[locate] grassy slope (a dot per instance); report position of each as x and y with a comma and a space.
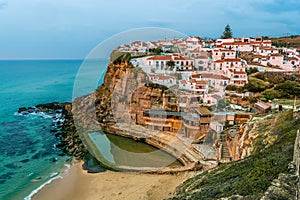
252, 176
292, 41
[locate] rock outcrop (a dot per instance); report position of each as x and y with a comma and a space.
63, 126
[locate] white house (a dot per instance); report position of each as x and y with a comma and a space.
198, 87
184, 63
202, 63
238, 78
192, 43
162, 79
218, 54
158, 62
276, 60
229, 63
238, 46
216, 81
218, 127
265, 50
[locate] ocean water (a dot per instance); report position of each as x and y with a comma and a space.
28, 157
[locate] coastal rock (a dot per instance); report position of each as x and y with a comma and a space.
64, 130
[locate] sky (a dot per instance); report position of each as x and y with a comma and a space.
70, 29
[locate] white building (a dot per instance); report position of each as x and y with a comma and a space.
162, 79
218, 54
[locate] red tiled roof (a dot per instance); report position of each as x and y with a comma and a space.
196, 76
240, 73
235, 43
160, 58
161, 77
254, 42
219, 46
277, 55
183, 82
202, 82
229, 60
224, 50
267, 48
214, 76
182, 58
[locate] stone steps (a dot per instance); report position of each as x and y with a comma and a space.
224, 151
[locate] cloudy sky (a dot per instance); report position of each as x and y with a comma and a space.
71, 28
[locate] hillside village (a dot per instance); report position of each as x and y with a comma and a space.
204, 68
207, 67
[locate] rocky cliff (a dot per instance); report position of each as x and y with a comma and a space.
122, 98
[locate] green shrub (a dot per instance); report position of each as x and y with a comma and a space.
271, 94
256, 85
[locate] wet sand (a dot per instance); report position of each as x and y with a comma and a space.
77, 184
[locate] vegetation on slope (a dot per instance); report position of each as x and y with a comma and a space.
252, 176
288, 41
271, 85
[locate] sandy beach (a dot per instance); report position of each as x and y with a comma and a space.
77, 184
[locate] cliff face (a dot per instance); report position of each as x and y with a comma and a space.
123, 97
252, 137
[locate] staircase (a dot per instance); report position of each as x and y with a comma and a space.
225, 155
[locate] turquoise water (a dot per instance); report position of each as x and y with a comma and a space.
26, 144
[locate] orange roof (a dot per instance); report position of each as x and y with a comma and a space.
254, 42
182, 58
161, 77
229, 60
201, 82
277, 55
214, 76
196, 76
267, 48
183, 82
235, 43
160, 58
240, 73
224, 50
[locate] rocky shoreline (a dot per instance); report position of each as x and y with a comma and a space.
64, 129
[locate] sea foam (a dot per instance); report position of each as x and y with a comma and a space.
53, 176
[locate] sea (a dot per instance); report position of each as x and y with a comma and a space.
29, 159
28, 156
